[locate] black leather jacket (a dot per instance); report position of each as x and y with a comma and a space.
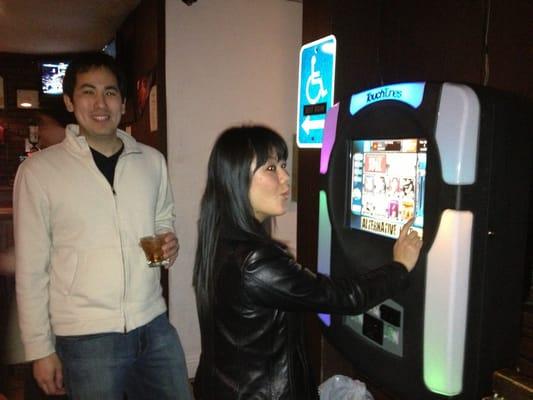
252, 345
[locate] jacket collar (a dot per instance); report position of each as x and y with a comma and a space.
78, 144
230, 232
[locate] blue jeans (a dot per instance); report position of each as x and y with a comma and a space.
146, 363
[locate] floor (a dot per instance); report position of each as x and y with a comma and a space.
15, 383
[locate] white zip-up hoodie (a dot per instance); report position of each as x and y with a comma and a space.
79, 267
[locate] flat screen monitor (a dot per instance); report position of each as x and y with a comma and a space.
387, 185
52, 74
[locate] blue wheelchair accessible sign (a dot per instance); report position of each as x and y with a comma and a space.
316, 82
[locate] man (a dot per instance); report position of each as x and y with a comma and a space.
80, 208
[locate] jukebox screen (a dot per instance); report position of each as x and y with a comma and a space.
387, 185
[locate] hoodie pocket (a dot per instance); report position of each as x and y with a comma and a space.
63, 265
91, 278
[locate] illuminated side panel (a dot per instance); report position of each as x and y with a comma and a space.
447, 278
457, 133
328, 140
409, 93
324, 244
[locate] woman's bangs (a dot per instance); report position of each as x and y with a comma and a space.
270, 145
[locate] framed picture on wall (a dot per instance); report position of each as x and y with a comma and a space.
153, 108
144, 85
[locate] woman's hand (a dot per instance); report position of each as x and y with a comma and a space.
407, 247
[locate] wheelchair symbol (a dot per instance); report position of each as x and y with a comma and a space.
314, 81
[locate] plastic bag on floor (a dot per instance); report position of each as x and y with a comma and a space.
340, 387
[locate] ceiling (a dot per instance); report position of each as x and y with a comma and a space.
60, 26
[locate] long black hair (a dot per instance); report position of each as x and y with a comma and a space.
226, 202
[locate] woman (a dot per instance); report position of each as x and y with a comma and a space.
250, 291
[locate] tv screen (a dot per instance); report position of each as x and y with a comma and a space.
387, 184
52, 74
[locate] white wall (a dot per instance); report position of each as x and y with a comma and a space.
227, 62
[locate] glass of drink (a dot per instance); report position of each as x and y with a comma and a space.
153, 251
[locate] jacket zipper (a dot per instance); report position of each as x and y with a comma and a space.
92, 166
124, 269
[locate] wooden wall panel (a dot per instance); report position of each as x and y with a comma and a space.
510, 47
140, 47
432, 43
355, 24
318, 15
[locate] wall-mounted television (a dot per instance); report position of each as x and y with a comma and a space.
52, 74
387, 185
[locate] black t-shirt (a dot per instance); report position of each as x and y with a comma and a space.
107, 165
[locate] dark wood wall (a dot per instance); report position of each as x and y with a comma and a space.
141, 48
485, 42
384, 41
